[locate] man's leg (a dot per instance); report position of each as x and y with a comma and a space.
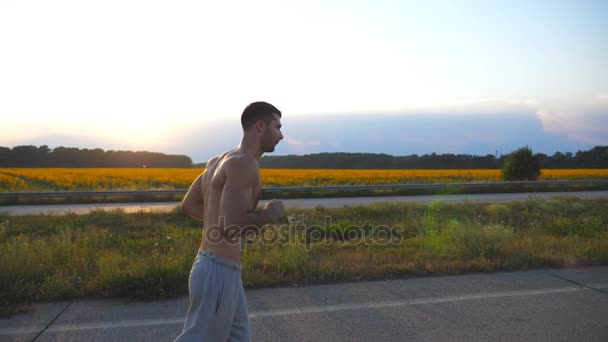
213, 295
241, 329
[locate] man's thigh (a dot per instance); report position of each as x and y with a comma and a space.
214, 294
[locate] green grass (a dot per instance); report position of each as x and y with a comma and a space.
149, 255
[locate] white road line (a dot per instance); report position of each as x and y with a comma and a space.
301, 310
421, 301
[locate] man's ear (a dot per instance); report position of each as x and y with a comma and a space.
259, 126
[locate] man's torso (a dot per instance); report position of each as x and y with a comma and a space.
213, 182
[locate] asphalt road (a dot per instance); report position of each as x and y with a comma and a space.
541, 305
302, 203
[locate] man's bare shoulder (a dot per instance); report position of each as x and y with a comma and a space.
211, 162
241, 165
219, 159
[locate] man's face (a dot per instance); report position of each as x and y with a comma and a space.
272, 134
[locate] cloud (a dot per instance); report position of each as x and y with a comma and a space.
587, 123
496, 104
295, 142
481, 105
488, 126
408, 133
587, 127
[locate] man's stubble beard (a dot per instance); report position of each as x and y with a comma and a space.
268, 145
269, 149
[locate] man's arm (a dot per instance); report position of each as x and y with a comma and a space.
193, 203
235, 202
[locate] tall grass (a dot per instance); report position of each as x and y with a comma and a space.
149, 255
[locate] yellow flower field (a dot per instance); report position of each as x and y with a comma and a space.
63, 179
10, 183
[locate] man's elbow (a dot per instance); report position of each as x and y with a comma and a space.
194, 211
185, 209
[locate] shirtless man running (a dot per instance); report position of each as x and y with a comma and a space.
225, 197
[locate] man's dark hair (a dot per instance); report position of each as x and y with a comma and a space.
258, 111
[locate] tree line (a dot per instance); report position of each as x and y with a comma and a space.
597, 157
43, 156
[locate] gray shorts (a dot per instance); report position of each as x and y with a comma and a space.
218, 307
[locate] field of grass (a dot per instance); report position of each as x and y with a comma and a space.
58, 179
149, 255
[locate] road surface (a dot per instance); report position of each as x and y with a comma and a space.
303, 203
541, 305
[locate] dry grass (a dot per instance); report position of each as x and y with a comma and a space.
149, 255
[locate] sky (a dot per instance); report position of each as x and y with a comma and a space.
396, 77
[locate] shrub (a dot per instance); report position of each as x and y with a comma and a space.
521, 165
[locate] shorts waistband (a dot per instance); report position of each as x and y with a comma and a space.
219, 260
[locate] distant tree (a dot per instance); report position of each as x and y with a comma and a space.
32, 156
521, 165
